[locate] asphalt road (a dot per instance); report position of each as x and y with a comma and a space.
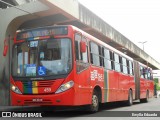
109, 111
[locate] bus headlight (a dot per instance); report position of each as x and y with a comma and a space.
65, 87
15, 89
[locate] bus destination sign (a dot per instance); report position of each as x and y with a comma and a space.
40, 32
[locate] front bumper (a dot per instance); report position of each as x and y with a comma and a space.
67, 98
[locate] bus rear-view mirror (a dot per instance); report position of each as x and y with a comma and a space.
5, 49
82, 47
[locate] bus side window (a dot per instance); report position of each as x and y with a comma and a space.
131, 68
142, 71
128, 68
146, 73
125, 68
100, 55
81, 58
107, 62
121, 64
117, 62
84, 56
77, 47
150, 75
112, 60
94, 51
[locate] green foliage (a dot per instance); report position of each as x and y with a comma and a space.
156, 83
157, 86
156, 80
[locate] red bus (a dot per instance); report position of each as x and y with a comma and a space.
65, 66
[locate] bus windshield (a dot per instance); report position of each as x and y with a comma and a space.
42, 58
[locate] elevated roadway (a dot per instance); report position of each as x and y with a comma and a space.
59, 12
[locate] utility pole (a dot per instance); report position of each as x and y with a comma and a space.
143, 44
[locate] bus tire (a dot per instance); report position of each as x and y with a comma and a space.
94, 106
145, 100
130, 98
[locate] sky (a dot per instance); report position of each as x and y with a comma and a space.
138, 20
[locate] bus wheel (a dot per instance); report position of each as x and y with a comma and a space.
130, 98
95, 102
145, 100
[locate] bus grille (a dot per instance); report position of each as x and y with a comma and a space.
40, 84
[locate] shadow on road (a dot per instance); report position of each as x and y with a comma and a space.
80, 111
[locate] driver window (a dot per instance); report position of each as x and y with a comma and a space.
81, 58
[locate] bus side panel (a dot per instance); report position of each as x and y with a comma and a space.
143, 88
97, 79
84, 90
88, 80
122, 85
132, 85
125, 83
147, 85
151, 88
110, 85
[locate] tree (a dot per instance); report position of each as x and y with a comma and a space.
156, 80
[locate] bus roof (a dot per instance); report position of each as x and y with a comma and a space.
92, 38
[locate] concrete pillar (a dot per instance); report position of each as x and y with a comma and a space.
10, 22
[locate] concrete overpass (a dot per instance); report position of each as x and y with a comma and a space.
50, 12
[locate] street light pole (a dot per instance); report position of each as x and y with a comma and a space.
143, 44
